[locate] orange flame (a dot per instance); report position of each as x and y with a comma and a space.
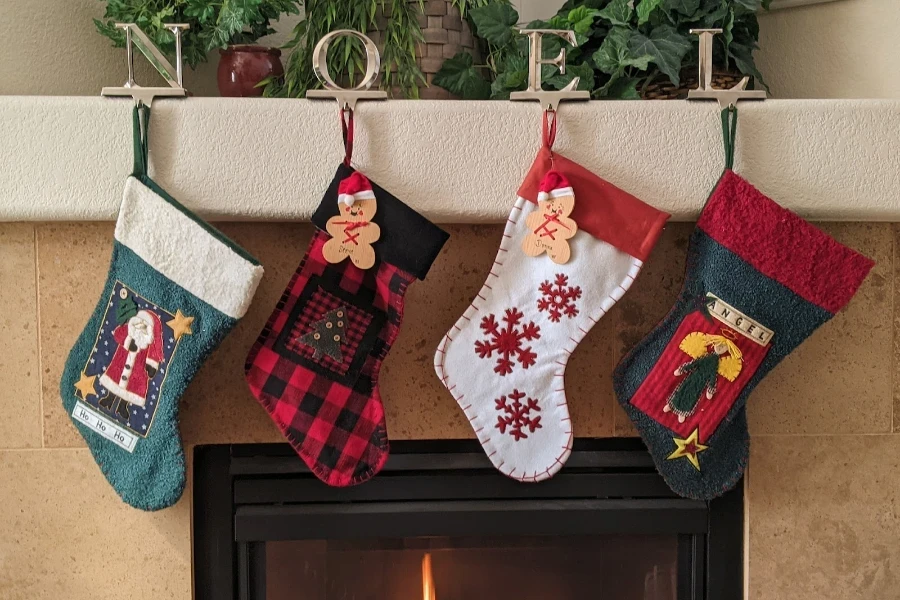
427, 579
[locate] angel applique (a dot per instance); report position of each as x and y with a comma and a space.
711, 356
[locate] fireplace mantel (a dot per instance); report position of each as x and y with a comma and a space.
65, 158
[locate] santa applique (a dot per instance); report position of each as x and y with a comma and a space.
134, 364
352, 230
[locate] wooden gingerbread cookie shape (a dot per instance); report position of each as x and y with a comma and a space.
352, 230
549, 226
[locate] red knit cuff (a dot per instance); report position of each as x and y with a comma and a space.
781, 245
601, 209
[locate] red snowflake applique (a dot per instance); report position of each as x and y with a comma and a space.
508, 341
558, 298
515, 417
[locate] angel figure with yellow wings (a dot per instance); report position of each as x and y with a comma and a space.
711, 355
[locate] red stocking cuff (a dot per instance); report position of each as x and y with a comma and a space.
601, 209
781, 245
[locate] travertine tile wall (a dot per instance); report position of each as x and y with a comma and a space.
824, 485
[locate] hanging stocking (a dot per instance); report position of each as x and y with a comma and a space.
175, 288
759, 281
315, 366
572, 246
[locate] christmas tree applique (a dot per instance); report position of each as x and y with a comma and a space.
126, 308
327, 335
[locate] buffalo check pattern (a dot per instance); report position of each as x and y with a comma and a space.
331, 412
309, 313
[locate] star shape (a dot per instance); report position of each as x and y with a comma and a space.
180, 324
85, 385
688, 448
701, 303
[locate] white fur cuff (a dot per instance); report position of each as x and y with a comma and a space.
185, 251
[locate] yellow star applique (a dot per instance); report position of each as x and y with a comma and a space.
688, 448
85, 385
180, 325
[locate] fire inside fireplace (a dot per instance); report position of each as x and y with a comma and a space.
440, 524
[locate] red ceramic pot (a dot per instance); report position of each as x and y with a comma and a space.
242, 66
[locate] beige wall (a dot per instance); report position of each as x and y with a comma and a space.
824, 478
844, 49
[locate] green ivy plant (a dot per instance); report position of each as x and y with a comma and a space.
213, 24
623, 45
346, 56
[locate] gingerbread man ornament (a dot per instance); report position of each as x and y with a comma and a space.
352, 230
549, 226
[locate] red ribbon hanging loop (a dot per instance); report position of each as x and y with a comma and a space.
549, 128
347, 132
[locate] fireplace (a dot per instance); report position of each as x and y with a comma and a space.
439, 523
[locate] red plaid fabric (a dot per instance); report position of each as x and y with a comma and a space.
330, 411
322, 303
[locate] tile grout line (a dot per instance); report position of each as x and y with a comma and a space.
823, 434
37, 320
617, 412
52, 449
747, 475
894, 340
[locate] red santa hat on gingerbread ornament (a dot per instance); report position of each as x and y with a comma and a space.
353, 188
554, 185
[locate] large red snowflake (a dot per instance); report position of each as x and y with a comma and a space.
515, 416
558, 298
508, 341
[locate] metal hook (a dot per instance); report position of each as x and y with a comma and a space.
726, 98
346, 98
174, 75
549, 99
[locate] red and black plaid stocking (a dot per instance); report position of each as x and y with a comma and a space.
315, 365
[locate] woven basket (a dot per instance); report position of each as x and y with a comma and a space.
666, 90
446, 34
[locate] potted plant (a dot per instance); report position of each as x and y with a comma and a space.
414, 37
230, 26
628, 49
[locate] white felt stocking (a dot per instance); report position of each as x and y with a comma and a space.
504, 360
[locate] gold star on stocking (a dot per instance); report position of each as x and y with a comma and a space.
180, 325
85, 385
688, 448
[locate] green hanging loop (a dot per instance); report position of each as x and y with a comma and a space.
729, 133
141, 125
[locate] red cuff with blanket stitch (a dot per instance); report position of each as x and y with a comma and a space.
781, 245
601, 209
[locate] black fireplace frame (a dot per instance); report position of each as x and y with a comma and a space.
247, 494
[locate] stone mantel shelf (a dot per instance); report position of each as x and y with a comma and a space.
65, 158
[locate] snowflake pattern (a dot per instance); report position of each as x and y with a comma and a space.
508, 341
558, 298
515, 417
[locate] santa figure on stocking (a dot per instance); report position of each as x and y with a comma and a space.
134, 363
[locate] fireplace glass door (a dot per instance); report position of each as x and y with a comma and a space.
620, 567
440, 523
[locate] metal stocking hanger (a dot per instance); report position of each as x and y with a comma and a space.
549, 99
726, 98
346, 98
174, 76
